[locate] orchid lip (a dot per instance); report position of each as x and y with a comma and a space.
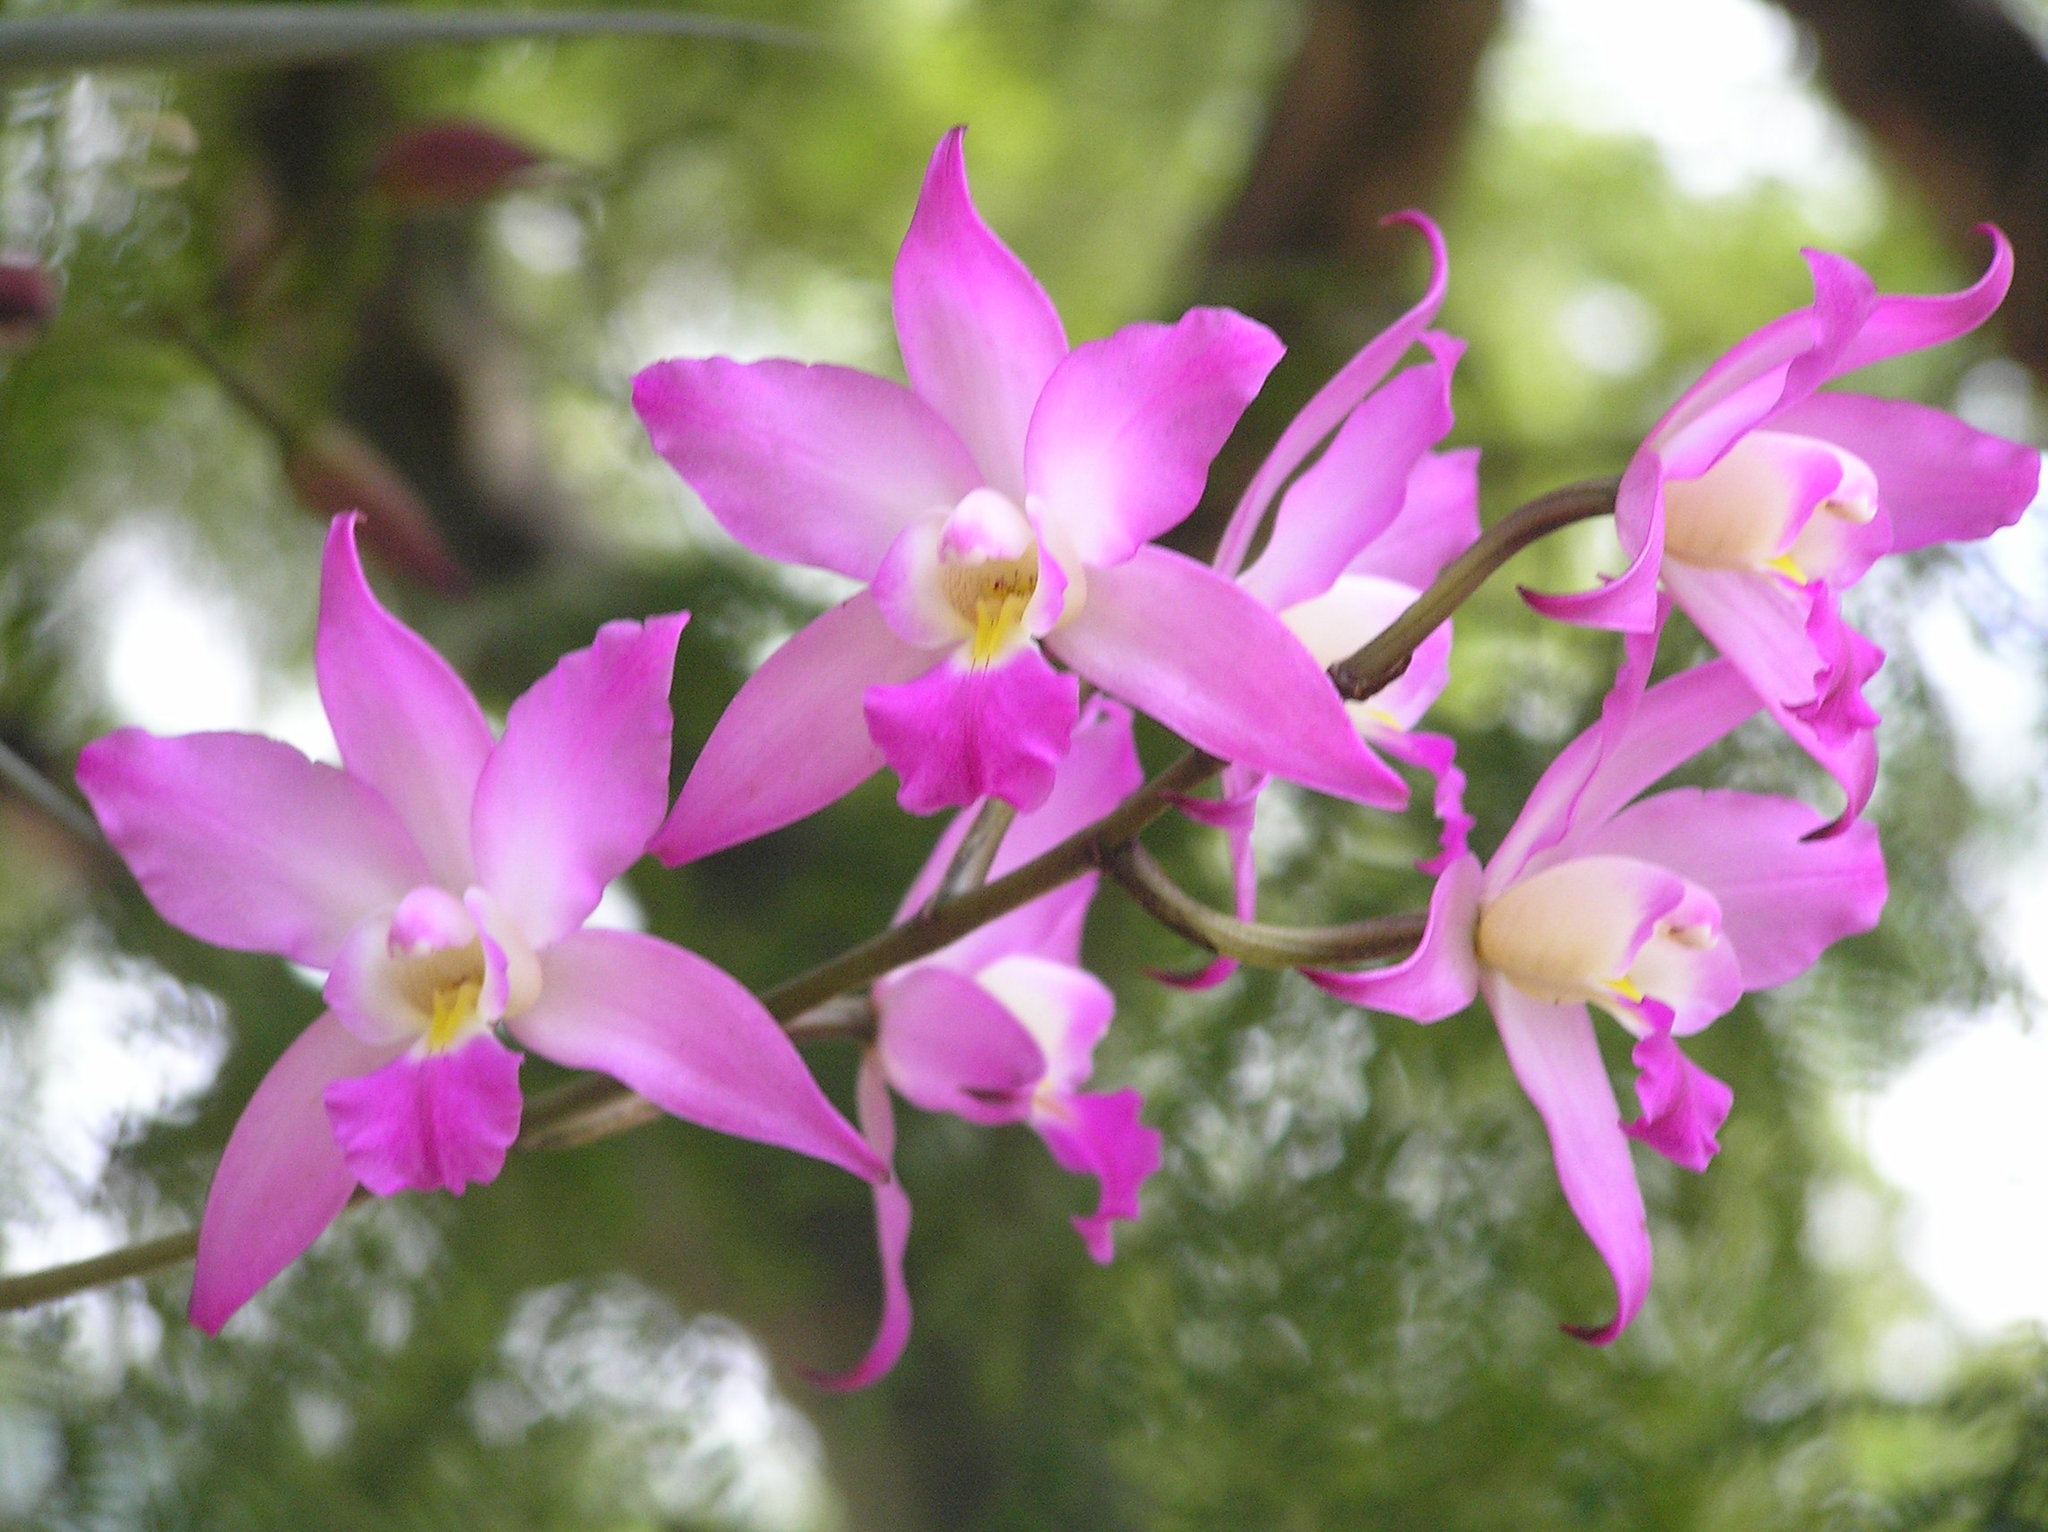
1774, 502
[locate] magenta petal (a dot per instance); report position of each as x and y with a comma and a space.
1683, 1105
1438, 520
442, 1119
1909, 322
1098, 1135
1557, 1058
689, 1038
1205, 658
281, 1179
1759, 621
979, 335
964, 731
808, 465
1440, 977
245, 843
1437, 755
950, 1046
1627, 603
794, 738
1939, 480
1120, 444
406, 724
892, 1236
580, 780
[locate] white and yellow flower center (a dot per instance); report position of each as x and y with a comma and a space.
1740, 513
976, 577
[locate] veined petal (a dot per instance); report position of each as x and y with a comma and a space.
579, 782
1202, 656
243, 842
810, 465
1354, 491
978, 333
1939, 480
793, 739
1441, 976
1785, 897
892, 1235
964, 731
1683, 1105
1121, 441
406, 724
427, 1120
1091, 1134
689, 1038
1557, 1058
948, 1045
281, 1179
1438, 520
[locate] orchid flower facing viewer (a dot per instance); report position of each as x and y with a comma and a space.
1001, 1027
1661, 913
443, 879
1000, 512
1757, 500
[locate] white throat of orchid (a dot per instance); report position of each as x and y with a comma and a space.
439, 973
1776, 501
1608, 930
978, 577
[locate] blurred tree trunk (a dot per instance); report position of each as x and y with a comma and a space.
1369, 119
1956, 92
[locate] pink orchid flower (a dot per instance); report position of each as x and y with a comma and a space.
1357, 537
443, 879
1661, 913
1757, 500
1000, 511
1002, 1025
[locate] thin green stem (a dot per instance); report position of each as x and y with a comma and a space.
977, 854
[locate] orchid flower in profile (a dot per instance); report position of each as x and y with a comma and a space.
1000, 512
443, 879
1357, 537
1757, 500
1661, 913
1001, 1027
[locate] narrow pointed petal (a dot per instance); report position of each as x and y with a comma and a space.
1120, 444
1441, 976
1354, 491
406, 724
1627, 602
806, 465
1206, 659
443, 1120
245, 843
978, 333
1940, 480
1785, 898
1557, 1059
281, 1179
1100, 1135
580, 780
1909, 322
949, 1045
1683, 1105
1438, 520
689, 1038
794, 738
962, 731
892, 1236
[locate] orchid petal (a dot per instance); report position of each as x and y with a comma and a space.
1557, 1058
1438, 520
1441, 976
963, 730
1202, 656
979, 335
245, 843
580, 780
689, 1038
1912, 321
793, 739
442, 1119
1356, 609
1939, 479
1627, 602
1758, 620
949, 1045
1437, 755
1091, 1134
1683, 1105
406, 724
805, 465
892, 1236
1064, 1007
1122, 438
281, 1178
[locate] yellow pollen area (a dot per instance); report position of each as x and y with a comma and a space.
1787, 566
454, 1006
998, 612
1382, 716
1626, 988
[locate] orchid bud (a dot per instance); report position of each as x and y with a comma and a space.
28, 297
332, 470
449, 165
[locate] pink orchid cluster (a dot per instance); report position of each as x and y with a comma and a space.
1001, 513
